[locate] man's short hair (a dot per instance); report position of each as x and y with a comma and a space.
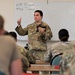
1, 22
5, 32
41, 13
63, 34
13, 34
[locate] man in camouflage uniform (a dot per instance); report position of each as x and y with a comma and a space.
38, 33
27, 57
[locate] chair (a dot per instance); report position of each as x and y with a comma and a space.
56, 62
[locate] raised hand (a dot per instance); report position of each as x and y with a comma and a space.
19, 22
42, 30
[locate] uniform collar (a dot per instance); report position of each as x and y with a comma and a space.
38, 24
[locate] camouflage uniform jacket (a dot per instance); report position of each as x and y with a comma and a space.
72, 69
37, 41
58, 48
68, 61
27, 58
27, 54
72, 66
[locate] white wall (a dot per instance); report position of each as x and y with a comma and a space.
7, 11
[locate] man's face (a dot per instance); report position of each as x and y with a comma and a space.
37, 17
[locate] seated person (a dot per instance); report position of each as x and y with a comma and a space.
27, 57
65, 47
59, 47
10, 60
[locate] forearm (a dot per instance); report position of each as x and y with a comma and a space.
21, 31
48, 34
31, 58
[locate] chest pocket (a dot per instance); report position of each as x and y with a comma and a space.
31, 30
